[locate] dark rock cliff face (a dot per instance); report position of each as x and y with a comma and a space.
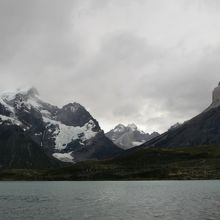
4, 110
203, 129
74, 114
19, 151
69, 133
98, 148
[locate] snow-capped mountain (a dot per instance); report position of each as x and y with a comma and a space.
129, 136
69, 134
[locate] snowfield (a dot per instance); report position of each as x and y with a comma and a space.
137, 143
66, 134
65, 157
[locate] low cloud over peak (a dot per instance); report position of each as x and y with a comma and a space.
150, 62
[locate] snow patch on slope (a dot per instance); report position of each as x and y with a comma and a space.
65, 157
10, 94
30, 101
137, 143
33, 103
10, 119
8, 107
45, 113
66, 134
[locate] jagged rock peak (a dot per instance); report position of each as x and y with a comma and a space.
11, 94
32, 92
215, 98
216, 94
73, 107
119, 127
132, 126
122, 128
176, 125
129, 136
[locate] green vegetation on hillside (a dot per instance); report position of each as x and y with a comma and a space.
202, 162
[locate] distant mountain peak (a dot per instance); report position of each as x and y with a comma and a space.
73, 107
13, 93
176, 125
215, 98
129, 136
119, 125
216, 94
119, 128
32, 91
132, 126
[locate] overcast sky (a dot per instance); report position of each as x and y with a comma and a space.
151, 62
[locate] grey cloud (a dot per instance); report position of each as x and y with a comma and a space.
188, 86
119, 54
36, 33
127, 110
126, 61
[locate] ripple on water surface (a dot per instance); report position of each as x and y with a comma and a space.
170, 200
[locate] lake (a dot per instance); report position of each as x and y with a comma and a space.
130, 200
